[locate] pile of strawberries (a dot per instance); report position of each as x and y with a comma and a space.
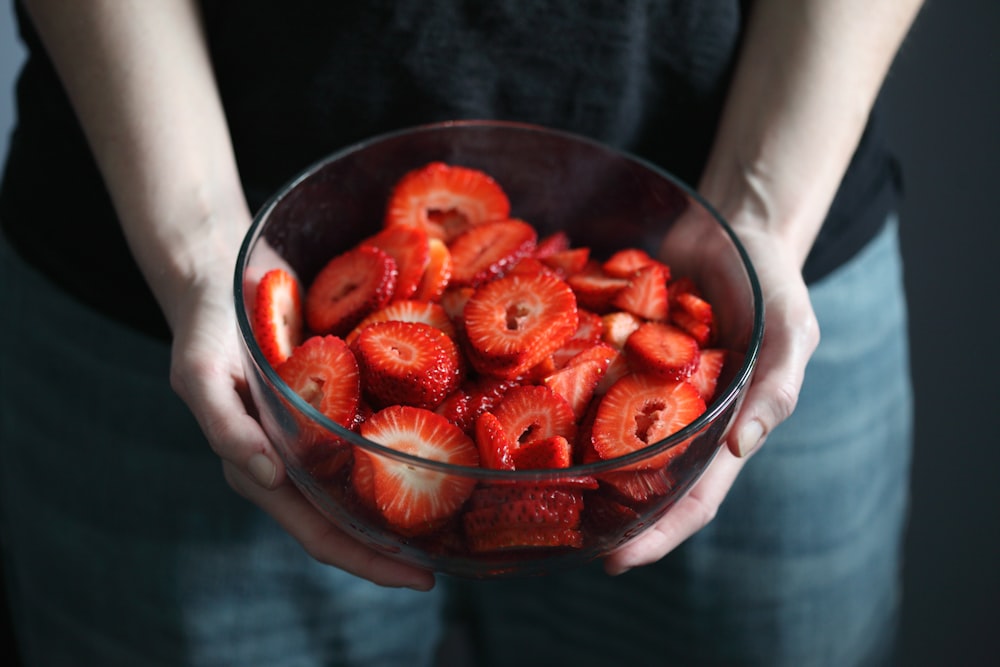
458, 335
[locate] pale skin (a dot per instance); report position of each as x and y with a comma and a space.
139, 77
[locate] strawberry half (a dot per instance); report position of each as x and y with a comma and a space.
323, 371
515, 322
489, 250
446, 199
278, 318
349, 287
407, 363
640, 410
414, 500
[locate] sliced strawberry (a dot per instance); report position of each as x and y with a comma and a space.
618, 326
408, 310
453, 301
324, 373
495, 446
618, 367
407, 363
602, 353
525, 503
529, 266
625, 263
557, 241
409, 246
437, 275
278, 318
535, 412
567, 262
576, 383
642, 409
594, 288
348, 288
415, 500
638, 486
706, 376
682, 285
569, 350
545, 454
489, 250
590, 326
606, 516
662, 349
464, 405
511, 538
646, 294
514, 323
694, 315
446, 199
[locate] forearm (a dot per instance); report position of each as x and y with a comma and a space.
140, 80
802, 92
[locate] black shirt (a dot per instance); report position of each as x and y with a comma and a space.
646, 76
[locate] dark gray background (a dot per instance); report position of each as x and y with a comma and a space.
945, 95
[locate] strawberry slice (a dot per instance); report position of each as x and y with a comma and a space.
512, 538
415, 501
642, 409
694, 315
638, 486
495, 447
557, 241
464, 405
590, 326
407, 363
348, 288
409, 246
446, 199
535, 412
278, 318
408, 310
625, 263
514, 323
489, 250
664, 350
646, 294
567, 262
323, 371
545, 454
594, 288
706, 377
523, 516
577, 382
618, 326
438, 272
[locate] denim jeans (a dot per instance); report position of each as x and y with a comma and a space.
122, 543
801, 565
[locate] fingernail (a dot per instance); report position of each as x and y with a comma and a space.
749, 437
262, 470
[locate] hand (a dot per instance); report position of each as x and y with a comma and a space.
207, 373
790, 337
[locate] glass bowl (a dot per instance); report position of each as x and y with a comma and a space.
602, 198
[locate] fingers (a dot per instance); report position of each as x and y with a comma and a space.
321, 539
687, 517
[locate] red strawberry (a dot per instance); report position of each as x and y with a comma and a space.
694, 315
278, 315
642, 409
594, 288
545, 454
446, 199
415, 500
551, 244
524, 504
646, 294
590, 326
409, 246
489, 250
576, 383
511, 538
324, 373
534, 412
638, 486
567, 262
706, 376
351, 286
407, 363
453, 301
437, 275
408, 310
618, 326
625, 263
514, 323
662, 349
464, 405
602, 353
618, 367
495, 446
